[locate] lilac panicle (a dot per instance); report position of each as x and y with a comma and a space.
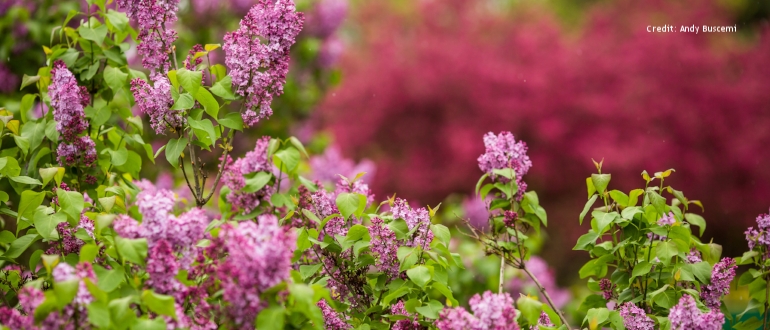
156, 37
456, 319
686, 316
68, 100
694, 256
608, 289
385, 246
156, 102
721, 276
419, 218
490, 311
544, 321
408, 324
667, 219
634, 318
328, 166
503, 151
81, 151
162, 268
327, 17
332, 320
234, 177
258, 70
761, 235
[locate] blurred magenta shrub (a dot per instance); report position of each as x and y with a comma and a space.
421, 88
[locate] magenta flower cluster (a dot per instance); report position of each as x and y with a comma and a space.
259, 257
155, 37
68, 100
503, 151
235, 172
544, 320
155, 101
415, 218
490, 311
410, 323
721, 276
686, 316
761, 235
385, 247
258, 70
332, 320
634, 318
328, 166
667, 219
694, 256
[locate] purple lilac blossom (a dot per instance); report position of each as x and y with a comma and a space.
693, 257
234, 177
686, 316
258, 70
509, 218
456, 319
544, 321
328, 166
494, 311
69, 242
410, 323
634, 318
419, 218
259, 257
155, 35
384, 246
330, 52
162, 268
760, 235
326, 17
13, 319
68, 100
503, 151
608, 289
721, 276
156, 102
9, 82
667, 219
477, 212
332, 320
82, 151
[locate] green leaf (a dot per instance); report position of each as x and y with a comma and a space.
420, 275
256, 181
600, 182
658, 201
71, 203
288, 159
619, 197
507, 173
184, 102
48, 173
407, 257
174, 149
34, 132
584, 241
665, 251
22, 143
641, 268
118, 157
107, 202
133, 250
6, 237
223, 89
309, 270
46, 223
98, 314
441, 232
26, 180
480, 182
66, 291
109, 280
28, 80
702, 271
351, 203
96, 35
204, 130
190, 80
30, 200
530, 308
431, 310
271, 318
159, 303
587, 207
633, 196
118, 19
209, 103
298, 144
20, 245
232, 120
149, 324
696, 220
596, 316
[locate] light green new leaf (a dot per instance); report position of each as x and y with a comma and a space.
71, 203
256, 181
174, 149
420, 275
30, 200
190, 80
232, 120
20, 245
115, 78
159, 303
133, 250
46, 223
530, 308
351, 203
209, 103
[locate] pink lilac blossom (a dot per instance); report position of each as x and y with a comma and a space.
162, 267
540, 269
721, 276
258, 70
761, 235
69, 242
509, 218
155, 35
693, 257
494, 311
634, 318
332, 320
81, 151
686, 316
385, 247
68, 100
667, 219
477, 212
328, 166
235, 172
544, 321
156, 102
83, 270
326, 17
330, 52
190, 63
503, 151
608, 289
410, 323
456, 319
419, 218
259, 257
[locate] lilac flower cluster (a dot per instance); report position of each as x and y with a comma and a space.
69, 242
259, 257
667, 219
234, 177
23, 318
323, 22
155, 36
68, 100
509, 218
328, 166
477, 212
686, 316
693, 257
410, 323
190, 63
332, 320
543, 321
608, 289
258, 70
721, 276
385, 247
634, 318
503, 151
419, 218
490, 311
761, 235
156, 102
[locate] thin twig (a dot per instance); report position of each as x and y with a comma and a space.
545, 294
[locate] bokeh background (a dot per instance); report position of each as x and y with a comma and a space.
405, 89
